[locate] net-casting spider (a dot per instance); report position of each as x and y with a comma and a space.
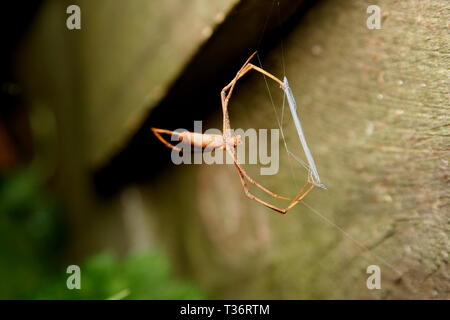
229, 142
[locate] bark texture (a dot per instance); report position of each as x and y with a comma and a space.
374, 104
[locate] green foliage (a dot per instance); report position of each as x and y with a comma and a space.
32, 244
31, 233
103, 276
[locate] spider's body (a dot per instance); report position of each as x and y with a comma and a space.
229, 142
209, 141
204, 141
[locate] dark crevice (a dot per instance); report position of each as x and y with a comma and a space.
16, 18
196, 93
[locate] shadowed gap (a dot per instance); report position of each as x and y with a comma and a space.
196, 93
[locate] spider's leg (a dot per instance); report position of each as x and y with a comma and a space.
225, 96
253, 197
264, 72
246, 176
157, 132
299, 197
245, 68
226, 92
247, 62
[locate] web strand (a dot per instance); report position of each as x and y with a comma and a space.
292, 156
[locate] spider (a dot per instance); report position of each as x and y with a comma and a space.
229, 142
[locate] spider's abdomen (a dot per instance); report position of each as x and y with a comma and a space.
204, 141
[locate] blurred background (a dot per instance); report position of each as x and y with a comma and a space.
83, 181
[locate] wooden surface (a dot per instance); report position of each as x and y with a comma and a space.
374, 104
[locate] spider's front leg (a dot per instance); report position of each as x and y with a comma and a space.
225, 97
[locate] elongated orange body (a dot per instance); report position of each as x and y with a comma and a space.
200, 140
195, 139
